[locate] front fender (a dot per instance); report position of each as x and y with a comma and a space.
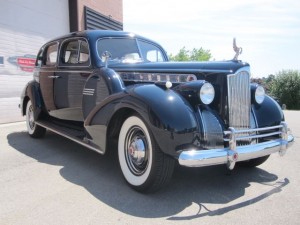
268, 113
168, 115
164, 109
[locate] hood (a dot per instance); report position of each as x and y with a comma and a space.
227, 67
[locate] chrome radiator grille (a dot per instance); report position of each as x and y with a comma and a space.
239, 100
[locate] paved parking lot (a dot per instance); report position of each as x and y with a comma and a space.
56, 181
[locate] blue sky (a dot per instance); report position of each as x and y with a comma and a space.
268, 31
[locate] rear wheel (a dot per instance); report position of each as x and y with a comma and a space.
144, 166
33, 129
254, 162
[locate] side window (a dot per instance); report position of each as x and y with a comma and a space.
75, 52
39, 58
70, 53
83, 52
51, 54
150, 52
154, 56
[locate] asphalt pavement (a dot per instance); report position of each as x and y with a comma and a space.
56, 181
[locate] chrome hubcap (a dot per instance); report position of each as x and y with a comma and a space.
136, 150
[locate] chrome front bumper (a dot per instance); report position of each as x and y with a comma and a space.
234, 153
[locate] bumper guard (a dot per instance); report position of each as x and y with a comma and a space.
234, 153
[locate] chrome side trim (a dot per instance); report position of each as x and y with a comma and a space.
88, 91
163, 70
43, 69
156, 77
54, 77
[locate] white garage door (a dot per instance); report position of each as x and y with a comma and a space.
25, 25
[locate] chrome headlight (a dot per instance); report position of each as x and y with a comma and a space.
207, 93
259, 94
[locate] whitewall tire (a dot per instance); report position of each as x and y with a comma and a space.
33, 129
143, 165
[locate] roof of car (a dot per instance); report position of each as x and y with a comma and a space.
96, 34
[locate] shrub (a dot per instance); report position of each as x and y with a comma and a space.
286, 88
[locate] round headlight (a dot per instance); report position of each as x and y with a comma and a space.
207, 93
259, 94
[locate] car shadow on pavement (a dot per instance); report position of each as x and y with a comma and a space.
102, 177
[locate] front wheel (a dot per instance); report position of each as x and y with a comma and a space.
33, 129
144, 166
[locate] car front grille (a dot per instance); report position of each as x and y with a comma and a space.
239, 100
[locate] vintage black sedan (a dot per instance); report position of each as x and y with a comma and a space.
117, 91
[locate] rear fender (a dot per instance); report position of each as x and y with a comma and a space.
32, 92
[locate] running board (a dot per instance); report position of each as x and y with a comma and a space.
73, 135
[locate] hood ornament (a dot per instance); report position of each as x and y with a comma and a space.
237, 50
106, 55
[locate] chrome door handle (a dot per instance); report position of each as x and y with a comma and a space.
55, 77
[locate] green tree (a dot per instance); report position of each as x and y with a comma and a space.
270, 78
193, 55
286, 87
182, 55
266, 82
200, 54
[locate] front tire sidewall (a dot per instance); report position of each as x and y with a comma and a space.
134, 180
34, 130
31, 125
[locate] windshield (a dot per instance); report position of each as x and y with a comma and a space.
128, 50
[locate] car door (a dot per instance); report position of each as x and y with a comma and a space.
69, 79
46, 69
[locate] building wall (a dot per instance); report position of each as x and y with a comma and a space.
25, 25
112, 9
